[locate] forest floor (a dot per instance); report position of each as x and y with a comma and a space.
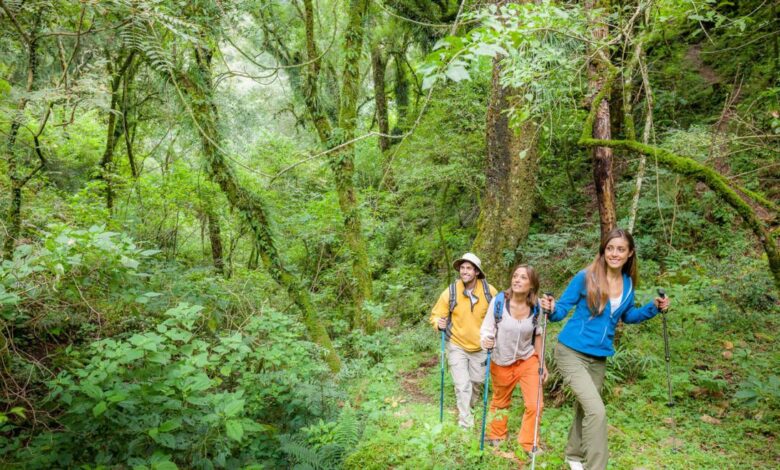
706, 429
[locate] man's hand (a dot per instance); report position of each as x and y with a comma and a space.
442, 323
488, 343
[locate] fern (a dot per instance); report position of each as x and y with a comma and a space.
347, 429
345, 435
303, 455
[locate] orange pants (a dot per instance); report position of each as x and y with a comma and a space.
505, 379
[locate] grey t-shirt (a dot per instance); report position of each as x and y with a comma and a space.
514, 340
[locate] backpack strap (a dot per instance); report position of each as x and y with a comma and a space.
486, 289
535, 310
498, 311
453, 303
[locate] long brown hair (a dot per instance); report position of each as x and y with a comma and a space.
596, 272
532, 277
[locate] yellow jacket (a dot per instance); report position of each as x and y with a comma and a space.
466, 320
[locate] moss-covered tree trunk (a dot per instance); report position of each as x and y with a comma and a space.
248, 204
601, 156
17, 179
509, 199
378, 65
401, 91
215, 240
116, 124
343, 163
342, 160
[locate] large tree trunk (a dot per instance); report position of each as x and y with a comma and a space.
343, 164
115, 128
14, 216
342, 161
378, 64
602, 156
215, 240
248, 204
509, 199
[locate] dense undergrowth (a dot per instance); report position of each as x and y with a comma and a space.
124, 347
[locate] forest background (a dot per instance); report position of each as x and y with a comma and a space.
224, 223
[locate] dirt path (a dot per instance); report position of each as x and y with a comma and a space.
410, 381
411, 385
693, 57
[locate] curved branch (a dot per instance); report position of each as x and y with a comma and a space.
690, 168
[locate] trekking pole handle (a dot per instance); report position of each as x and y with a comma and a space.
662, 294
546, 311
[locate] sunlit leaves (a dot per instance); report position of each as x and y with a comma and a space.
541, 47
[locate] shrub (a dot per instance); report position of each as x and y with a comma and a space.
181, 394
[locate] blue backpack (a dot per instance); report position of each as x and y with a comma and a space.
498, 313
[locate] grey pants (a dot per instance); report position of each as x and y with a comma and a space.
468, 375
588, 433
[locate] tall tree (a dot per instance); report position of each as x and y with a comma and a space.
602, 158
120, 70
199, 88
339, 137
510, 179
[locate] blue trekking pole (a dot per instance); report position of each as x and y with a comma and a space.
441, 396
484, 406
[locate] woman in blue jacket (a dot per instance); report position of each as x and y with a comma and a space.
601, 295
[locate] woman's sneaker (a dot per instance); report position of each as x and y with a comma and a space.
575, 465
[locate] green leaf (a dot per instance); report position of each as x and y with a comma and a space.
489, 50
92, 390
745, 394
99, 409
429, 81
457, 73
199, 382
234, 429
170, 425
129, 263
167, 465
234, 407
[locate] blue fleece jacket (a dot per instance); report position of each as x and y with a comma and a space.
591, 334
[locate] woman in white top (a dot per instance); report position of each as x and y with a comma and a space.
509, 328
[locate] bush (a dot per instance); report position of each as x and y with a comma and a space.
181, 394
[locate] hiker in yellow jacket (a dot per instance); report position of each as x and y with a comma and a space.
459, 312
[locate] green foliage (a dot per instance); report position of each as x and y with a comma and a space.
758, 393
541, 45
96, 375
323, 445
92, 270
180, 392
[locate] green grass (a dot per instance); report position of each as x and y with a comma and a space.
404, 432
